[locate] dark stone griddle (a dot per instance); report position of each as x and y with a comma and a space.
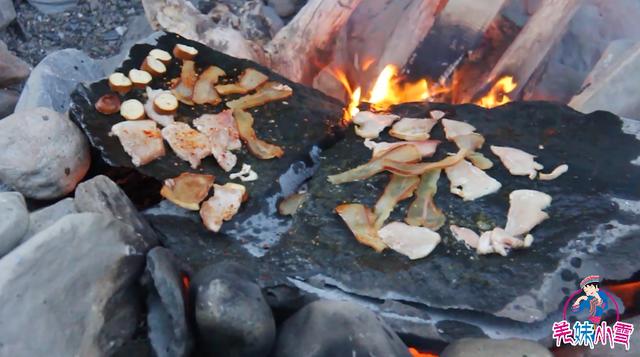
599, 156
297, 123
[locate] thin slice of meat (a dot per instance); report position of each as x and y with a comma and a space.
398, 189
480, 161
183, 89
141, 139
249, 80
203, 90
413, 242
150, 110
259, 148
290, 204
470, 142
360, 220
554, 174
369, 125
423, 211
465, 235
502, 242
453, 128
526, 211
416, 169
426, 148
412, 128
188, 144
222, 132
223, 205
484, 244
406, 153
268, 92
187, 190
469, 182
518, 162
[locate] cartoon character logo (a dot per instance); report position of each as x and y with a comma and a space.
595, 301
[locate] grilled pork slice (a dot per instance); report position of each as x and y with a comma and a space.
414, 242
518, 162
189, 144
398, 189
149, 107
203, 90
249, 80
268, 92
360, 221
501, 241
554, 174
423, 210
187, 190
223, 205
153, 66
223, 136
161, 55
108, 104
526, 211
369, 125
259, 148
412, 128
466, 235
184, 52
426, 148
484, 244
132, 109
183, 89
139, 78
118, 82
469, 182
140, 139
453, 128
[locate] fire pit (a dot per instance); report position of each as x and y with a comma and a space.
453, 292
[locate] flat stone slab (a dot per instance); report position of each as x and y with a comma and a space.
592, 230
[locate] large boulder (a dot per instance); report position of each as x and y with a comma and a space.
7, 13
169, 331
328, 328
53, 6
101, 195
12, 69
70, 290
14, 220
485, 347
55, 77
8, 100
47, 216
44, 155
232, 316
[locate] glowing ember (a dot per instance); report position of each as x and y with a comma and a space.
498, 95
415, 353
629, 293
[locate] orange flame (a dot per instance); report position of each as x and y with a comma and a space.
389, 89
415, 353
498, 95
